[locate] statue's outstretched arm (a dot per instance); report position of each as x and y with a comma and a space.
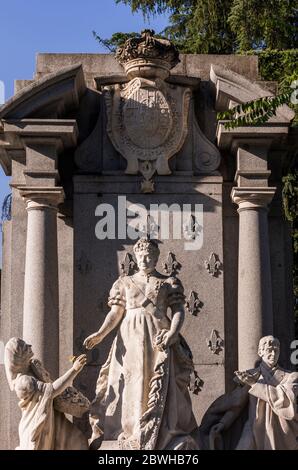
66, 380
112, 319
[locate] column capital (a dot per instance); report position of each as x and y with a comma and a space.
252, 197
41, 197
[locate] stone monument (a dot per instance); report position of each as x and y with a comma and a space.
105, 149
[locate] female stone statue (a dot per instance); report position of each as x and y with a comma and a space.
142, 390
41, 426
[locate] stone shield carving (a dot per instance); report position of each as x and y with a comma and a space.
147, 123
147, 116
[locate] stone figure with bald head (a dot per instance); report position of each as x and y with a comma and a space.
261, 413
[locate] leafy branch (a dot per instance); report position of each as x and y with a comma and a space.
115, 41
254, 112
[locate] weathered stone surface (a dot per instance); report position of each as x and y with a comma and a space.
106, 64
20, 84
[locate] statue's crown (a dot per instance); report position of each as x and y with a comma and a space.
148, 56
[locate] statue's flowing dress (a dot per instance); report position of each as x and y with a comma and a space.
142, 392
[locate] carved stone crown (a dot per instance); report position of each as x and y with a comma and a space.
148, 56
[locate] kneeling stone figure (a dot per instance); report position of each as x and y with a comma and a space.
42, 426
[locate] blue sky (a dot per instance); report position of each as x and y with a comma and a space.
31, 26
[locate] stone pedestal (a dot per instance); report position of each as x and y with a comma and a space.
41, 299
255, 316
110, 445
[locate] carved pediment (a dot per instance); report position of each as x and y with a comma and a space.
233, 88
49, 97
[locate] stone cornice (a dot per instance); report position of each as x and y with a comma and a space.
20, 133
266, 135
41, 131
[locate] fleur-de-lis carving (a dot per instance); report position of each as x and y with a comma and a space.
196, 383
213, 265
215, 342
150, 230
83, 264
128, 265
194, 304
192, 228
172, 266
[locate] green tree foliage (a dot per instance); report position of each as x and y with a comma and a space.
274, 65
264, 24
226, 26
290, 203
196, 26
117, 40
254, 112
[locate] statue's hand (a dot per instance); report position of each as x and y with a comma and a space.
92, 341
165, 339
80, 362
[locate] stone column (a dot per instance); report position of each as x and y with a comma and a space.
255, 314
252, 148
41, 293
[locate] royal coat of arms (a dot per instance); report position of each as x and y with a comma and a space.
147, 117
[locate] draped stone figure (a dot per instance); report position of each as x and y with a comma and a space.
142, 398
42, 426
260, 414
